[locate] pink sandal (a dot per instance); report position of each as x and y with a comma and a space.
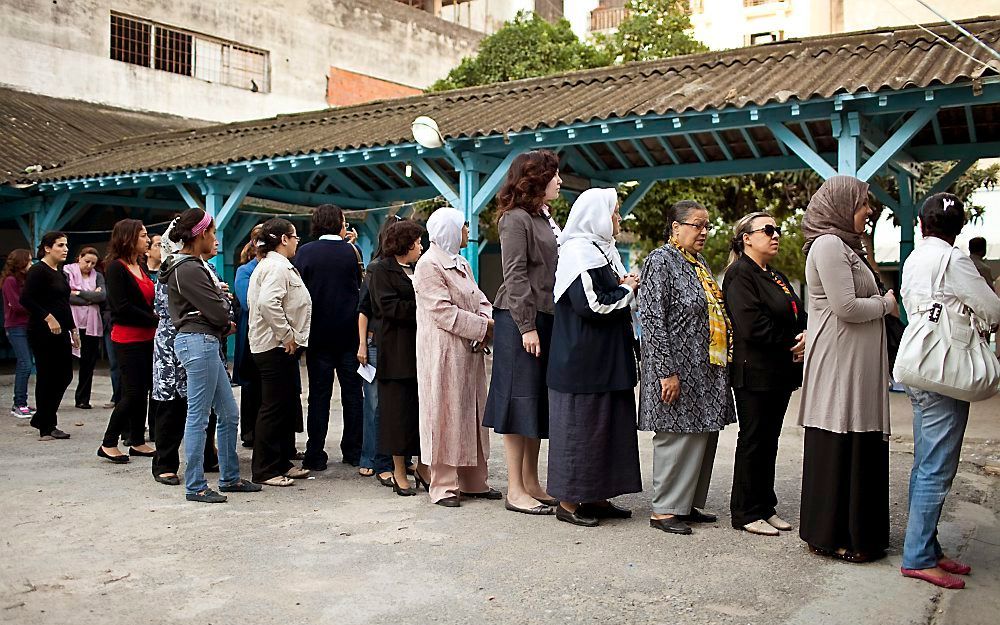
954, 567
949, 582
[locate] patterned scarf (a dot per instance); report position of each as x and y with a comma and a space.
720, 344
788, 292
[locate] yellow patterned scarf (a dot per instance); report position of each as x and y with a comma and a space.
720, 344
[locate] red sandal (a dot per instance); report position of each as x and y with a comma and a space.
948, 581
954, 567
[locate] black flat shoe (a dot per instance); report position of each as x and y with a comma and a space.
548, 502
610, 511
122, 459
173, 480
492, 493
576, 518
141, 454
385, 481
314, 466
402, 492
84, 406
697, 516
540, 510
448, 502
672, 525
58, 434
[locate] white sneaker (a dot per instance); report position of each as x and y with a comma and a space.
21, 412
779, 523
760, 527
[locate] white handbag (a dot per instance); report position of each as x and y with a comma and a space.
944, 352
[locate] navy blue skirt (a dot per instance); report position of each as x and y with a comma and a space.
518, 401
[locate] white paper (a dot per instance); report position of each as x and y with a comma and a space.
367, 372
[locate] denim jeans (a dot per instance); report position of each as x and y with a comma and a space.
208, 388
938, 428
370, 458
18, 338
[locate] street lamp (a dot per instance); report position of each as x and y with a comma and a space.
426, 132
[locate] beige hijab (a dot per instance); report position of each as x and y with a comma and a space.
831, 211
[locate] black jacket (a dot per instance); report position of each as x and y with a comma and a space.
764, 328
394, 304
125, 300
592, 345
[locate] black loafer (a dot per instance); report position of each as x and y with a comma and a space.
122, 459
697, 516
173, 480
241, 486
58, 434
449, 502
206, 496
314, 466
672, 525
492, 493
539, 510
141, 454
576, 518
84, 406
610, 511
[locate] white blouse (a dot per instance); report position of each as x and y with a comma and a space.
962, 285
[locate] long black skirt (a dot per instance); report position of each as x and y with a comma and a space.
593, 446
845, 491
518, 401
399, 417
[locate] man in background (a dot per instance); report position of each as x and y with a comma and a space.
977, 251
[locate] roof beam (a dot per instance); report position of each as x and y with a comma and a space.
725, 148
750, 143
188, 197
618, 154
644, 154
671, 154
717, 168
72, 213
302, 198
635, 196
813, 160
489, 187
696, 147
438, 182
896, 142
126, 200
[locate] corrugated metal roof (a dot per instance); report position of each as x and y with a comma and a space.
45, 131
896, 58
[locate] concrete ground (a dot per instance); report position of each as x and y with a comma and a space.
85, 541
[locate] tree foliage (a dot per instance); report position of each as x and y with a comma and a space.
526, 47
654, 29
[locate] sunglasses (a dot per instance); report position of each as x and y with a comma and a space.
768, 230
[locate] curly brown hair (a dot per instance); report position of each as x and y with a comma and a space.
18, 262
400, 237
527, 178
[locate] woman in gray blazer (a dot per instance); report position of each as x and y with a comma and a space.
686, 348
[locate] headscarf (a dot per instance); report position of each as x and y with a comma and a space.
587, 241
168, 246
445, 230
831, 211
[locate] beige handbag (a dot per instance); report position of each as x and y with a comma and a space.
944, 352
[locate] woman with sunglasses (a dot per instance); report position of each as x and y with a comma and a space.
769, 323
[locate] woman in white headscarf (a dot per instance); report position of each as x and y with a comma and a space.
593, 445
454, 324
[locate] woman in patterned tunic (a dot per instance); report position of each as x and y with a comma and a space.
684, 396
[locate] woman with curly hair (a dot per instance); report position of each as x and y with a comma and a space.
518, 403
15, 323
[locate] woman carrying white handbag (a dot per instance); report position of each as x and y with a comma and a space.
944, 364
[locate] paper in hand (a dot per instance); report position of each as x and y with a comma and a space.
367, 372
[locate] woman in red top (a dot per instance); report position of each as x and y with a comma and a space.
130, 298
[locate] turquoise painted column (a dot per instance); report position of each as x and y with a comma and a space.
907, 217
468, 187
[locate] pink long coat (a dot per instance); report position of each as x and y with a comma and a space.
451, 312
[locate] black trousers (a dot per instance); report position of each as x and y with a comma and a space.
249, 397
170, 419
761, 414
90, 351
321, 364
53, 374
280, 405
129, 415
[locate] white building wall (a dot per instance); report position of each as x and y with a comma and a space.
865, 14
486, 16
63, 49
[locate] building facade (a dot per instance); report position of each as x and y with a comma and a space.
226, 60
488, 16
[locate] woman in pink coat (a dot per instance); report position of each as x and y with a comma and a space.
454, 322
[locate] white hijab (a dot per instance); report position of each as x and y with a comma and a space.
587, 241
445, 230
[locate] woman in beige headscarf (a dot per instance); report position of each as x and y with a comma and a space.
845, 399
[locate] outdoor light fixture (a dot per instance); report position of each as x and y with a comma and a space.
426, 133
409, 170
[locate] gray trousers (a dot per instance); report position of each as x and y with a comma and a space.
682, 470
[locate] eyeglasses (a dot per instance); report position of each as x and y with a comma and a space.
293, 236
700, 226
768, 230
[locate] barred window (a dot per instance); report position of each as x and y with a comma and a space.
757, 3
142, 42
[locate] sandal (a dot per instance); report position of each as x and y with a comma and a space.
421, 481
366, 472
385, 481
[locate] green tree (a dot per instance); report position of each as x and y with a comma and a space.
526, 47
654, 29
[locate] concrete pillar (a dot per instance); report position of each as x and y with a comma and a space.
433, 7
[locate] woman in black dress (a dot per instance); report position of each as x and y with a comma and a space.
51, 332
769, 324
394, 306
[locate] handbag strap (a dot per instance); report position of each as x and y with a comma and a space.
938, 285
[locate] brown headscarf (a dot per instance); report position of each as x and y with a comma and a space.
831, 211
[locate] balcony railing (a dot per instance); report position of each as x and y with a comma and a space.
607, 18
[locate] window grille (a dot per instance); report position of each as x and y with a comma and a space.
757, 3
146, 43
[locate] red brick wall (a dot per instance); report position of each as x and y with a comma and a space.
344, 88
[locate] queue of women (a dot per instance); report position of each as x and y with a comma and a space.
572, 334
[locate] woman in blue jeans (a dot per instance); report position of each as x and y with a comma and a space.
938, 420
15, 322
199, 309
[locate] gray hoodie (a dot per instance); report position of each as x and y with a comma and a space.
197, 305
